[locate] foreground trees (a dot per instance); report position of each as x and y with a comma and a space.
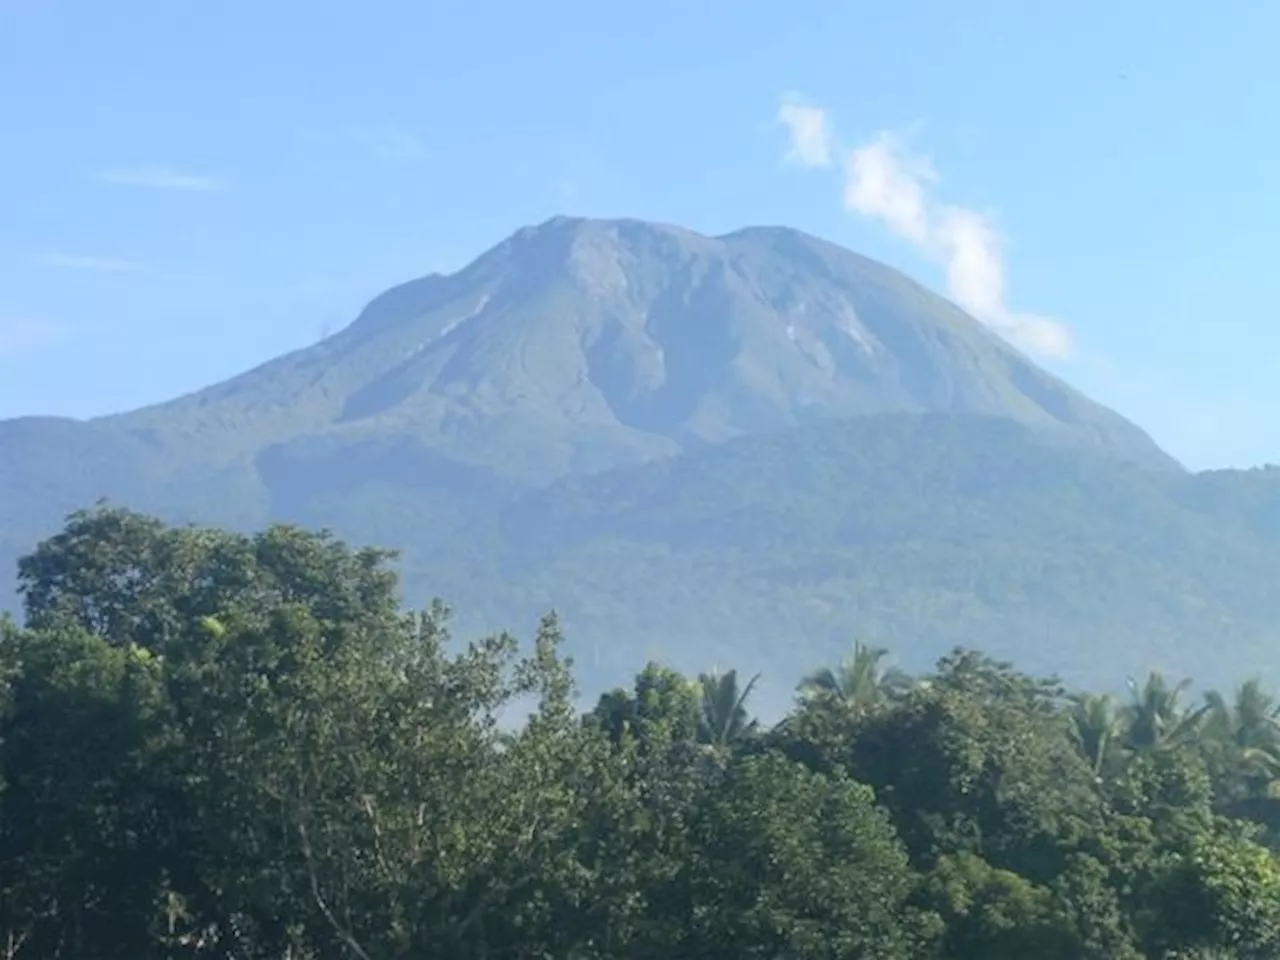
214, 745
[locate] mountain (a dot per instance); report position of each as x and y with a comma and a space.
582, 345
731, 449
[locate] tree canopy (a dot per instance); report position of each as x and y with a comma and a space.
239, 746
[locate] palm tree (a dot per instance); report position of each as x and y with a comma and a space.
1252, 721
1155, 719
1098, 729
724, 718
1248, 730
860, 682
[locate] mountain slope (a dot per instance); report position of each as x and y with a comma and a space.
581, 345
914, 531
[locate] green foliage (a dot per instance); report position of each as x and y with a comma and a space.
217, 745
84, 838
996, 914
1225, 894
978, 760
787, 862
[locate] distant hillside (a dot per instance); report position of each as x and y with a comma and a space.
745, 449
913, 531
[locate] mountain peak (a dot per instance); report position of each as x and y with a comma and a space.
580, 344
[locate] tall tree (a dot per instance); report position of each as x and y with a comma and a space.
724, 718
1155, 716
129, 578
87, 833
1242, 739
860, 682
980, 761
787, 862
1098, 728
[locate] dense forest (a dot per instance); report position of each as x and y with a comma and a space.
220, 745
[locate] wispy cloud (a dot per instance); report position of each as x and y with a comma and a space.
100, 264
19, 333
390, 145
886, 182
810, 133
156, 177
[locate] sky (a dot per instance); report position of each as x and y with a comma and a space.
190, 188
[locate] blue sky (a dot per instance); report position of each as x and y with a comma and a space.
189, 188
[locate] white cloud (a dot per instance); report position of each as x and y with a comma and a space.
390, 145
102, 264
810, 133
20, 333
886, 182
157, 177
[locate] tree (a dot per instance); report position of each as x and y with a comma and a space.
1223, 894
660, 698
129, 578
1241, 739
996, 914
330, 775
787, 862
980, 761
1089, 895
387, 809
723, 719
860, 682
1155, 717
1098, 729
86, 837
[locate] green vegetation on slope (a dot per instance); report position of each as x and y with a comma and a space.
918, 531
217, 745
922, 532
